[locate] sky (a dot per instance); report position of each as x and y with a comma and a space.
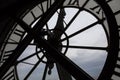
91, 61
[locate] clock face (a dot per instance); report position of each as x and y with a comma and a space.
81, 30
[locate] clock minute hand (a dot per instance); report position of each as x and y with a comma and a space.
58, 30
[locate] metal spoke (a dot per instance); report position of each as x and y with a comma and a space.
28, 57
82, 30
71, 21
45, 72
28, 63
86, 47
31, 71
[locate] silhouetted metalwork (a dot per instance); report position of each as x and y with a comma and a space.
49, 41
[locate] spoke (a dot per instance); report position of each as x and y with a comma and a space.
31, 71
82, 30
28, 57
86, 47
45, 72
28, 63
71, 21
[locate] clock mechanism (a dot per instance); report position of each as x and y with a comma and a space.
61, 39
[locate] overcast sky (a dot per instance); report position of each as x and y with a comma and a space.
91, 61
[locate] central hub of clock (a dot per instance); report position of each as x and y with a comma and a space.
54, 40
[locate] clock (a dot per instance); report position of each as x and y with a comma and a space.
61, 39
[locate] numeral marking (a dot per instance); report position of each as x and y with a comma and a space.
18, 32
9, 76
11, 40
41, 5
98, 8
117, 12
7, 54
33, 15
108, 1
46, 5
49, 2
85, 3
74, 2
78, 3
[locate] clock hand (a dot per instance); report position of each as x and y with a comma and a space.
58, 30
57, 33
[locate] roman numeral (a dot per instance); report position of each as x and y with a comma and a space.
7, 54
49, 2
117, 12
78, 3
46, 5
85, 3
73, 2
36, 12
33, 15
98, 8
18, 32
117, 69
9, 76
108, 1
42, 8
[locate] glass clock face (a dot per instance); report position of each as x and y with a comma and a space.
80, 30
